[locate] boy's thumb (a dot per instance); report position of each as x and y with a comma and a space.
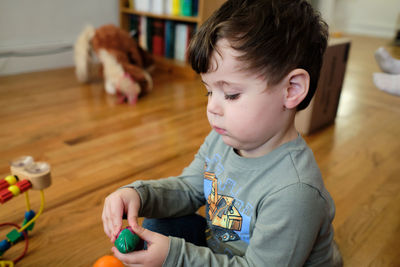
142, 232
132, 221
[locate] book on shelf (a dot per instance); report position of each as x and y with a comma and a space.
142, 5
158, 6
168, 7
169, 38
149, 34
185, 8
134, 22
183, 34
176, 6
158, 37
162, 37
180, 41
143, 32
195, 8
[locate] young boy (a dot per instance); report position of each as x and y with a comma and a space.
266, 204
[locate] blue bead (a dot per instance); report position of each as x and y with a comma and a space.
4, 245
29, 215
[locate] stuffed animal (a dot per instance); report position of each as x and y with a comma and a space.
124, 63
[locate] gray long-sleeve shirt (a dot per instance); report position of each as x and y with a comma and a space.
268, 211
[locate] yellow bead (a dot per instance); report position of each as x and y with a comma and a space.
14, 190
11, 179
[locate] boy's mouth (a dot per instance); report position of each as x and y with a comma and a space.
219, 130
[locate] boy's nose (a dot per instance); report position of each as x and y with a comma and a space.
214, 106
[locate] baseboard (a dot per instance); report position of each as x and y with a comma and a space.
366, 28
30, 58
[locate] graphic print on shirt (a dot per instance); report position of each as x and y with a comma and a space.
221, 212
228, 217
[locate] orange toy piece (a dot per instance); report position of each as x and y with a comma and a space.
108, 261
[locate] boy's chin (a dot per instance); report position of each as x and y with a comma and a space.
229, 141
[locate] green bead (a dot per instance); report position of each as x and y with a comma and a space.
127, 241
14, 236
30, 227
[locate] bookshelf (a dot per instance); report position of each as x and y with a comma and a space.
204, 9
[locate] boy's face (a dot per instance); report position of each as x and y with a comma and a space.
249, 115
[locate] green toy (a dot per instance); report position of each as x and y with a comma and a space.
127, 240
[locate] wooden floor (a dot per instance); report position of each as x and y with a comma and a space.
95, 146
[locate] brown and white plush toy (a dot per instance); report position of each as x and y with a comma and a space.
124, 63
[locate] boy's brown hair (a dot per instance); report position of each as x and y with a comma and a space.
275, 37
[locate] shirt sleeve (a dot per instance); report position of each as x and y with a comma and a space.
285, 231
174, 196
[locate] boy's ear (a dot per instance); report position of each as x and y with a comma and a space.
297, 89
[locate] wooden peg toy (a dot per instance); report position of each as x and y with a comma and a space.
38, 173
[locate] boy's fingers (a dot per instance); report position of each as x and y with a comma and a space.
132, 221
132, 215
135, 257
107, 223
107, 228
116, 217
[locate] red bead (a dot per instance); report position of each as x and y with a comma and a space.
3, 184
5, 195
24, 185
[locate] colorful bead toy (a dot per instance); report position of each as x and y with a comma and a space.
26, 175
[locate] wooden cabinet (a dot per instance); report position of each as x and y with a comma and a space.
205, 9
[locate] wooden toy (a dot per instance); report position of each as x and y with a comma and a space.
26, 174
38, 173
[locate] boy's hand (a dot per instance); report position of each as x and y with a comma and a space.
125, 200
154, 256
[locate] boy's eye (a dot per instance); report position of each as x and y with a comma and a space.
209, 93
232, 97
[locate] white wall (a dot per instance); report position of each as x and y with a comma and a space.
365, 17
31, 25
39, 25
